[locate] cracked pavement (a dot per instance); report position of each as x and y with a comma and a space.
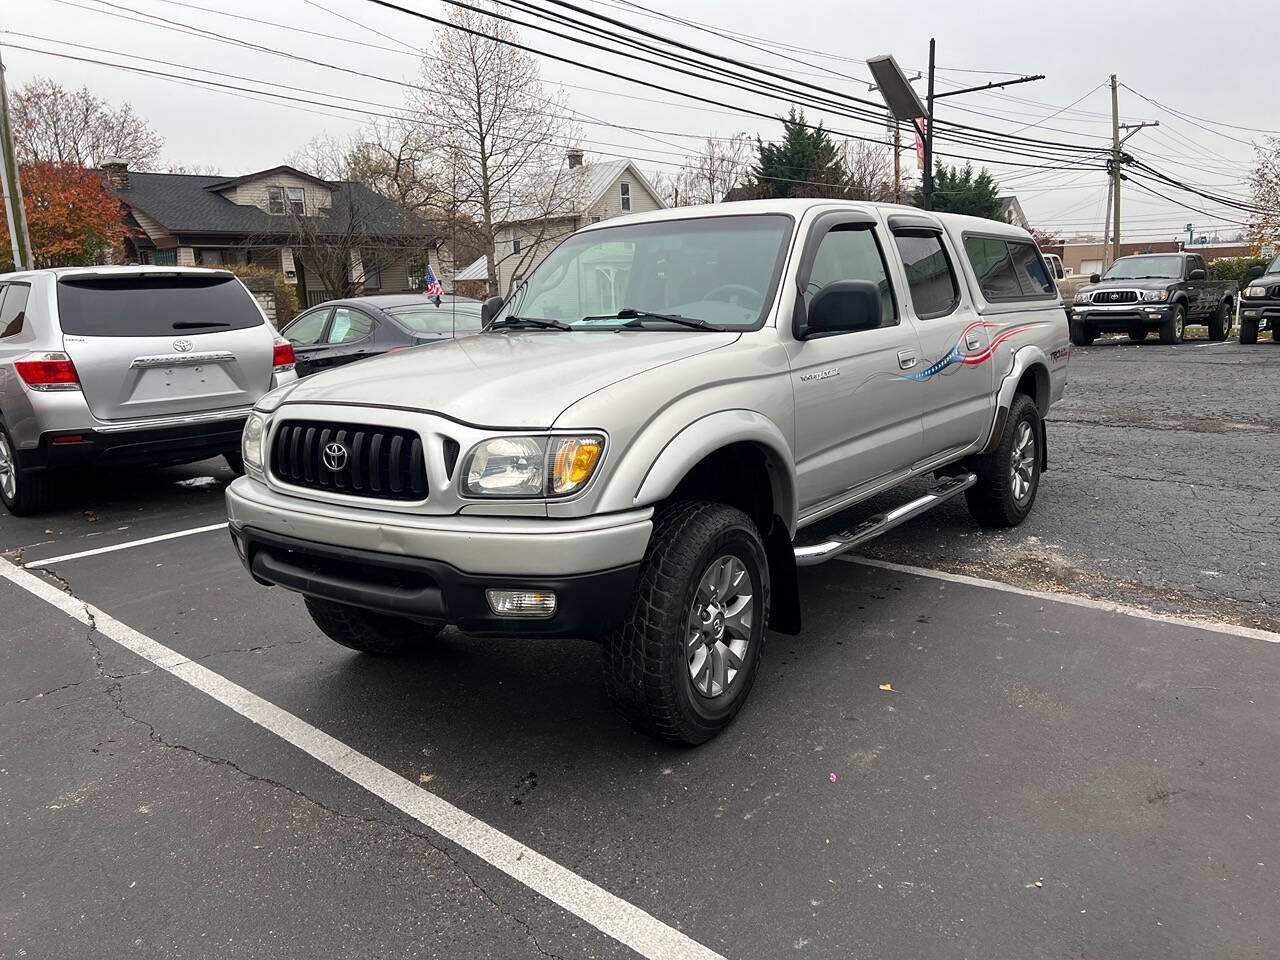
1040, 781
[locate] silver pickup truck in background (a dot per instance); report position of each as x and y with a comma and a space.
639, 446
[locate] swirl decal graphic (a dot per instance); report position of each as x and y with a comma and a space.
956, 354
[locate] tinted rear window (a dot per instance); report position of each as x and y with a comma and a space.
154, 306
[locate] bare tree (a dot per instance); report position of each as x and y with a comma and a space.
483, 101
722, 164
868, 171
52, 124
1265, 183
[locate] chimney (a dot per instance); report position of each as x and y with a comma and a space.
117, 172
575, 158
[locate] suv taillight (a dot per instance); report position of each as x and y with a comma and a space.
282, 356
48, 371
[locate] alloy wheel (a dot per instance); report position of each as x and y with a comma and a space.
718, 630
1022, 462
8, 469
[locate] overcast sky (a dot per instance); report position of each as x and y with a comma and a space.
1201, 60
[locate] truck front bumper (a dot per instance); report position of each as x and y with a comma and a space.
1261, 312
440, 568
1118, 319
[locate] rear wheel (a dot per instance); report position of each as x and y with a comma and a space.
681, 665
379, 634
1082, 335
23, 494
1172, 329
1137, 336
1009, 477
1220, 322
1275, 330
235, 463
1249, 331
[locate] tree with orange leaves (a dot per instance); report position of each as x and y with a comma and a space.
72, 217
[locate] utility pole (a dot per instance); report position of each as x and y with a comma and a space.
927, 184
11, 186
1118, 159
897, 162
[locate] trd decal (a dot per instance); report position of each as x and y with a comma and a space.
956, 354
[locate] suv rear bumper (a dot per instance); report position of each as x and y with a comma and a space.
438, 567
153, 445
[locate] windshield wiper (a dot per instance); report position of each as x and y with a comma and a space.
543, 323
635, 318
197, 324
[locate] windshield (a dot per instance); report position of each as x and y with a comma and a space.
448, 318
1137, 268
1275, 266
721, 270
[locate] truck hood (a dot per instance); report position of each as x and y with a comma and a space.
520, 379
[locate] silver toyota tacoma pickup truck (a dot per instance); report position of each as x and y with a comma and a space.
637, 447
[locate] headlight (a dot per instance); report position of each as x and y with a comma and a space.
531, 467
251, 441
1149, 295
1256, 292
1082, 297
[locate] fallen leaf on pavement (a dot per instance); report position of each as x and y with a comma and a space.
888, 687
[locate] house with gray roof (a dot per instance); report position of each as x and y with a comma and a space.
579, 194
320, 234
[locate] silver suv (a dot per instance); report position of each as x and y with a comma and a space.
645, 442
126, 365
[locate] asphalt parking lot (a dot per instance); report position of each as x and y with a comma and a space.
188, 769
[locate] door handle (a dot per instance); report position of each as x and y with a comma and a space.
973, 341
906, 359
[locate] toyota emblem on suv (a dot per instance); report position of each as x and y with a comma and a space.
334, 456
183, 345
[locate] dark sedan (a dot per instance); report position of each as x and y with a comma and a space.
343, 331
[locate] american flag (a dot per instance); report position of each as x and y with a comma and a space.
434, 291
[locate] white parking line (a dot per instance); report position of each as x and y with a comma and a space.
124, 546
611, 915
1074, 599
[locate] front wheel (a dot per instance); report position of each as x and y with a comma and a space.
1082, 335
681, 665
1172, 329
1009, 477
378, 634
1220, 322
1137, 336
1249, 331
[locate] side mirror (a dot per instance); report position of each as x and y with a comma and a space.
1196, 274
489, 309
1256, 271
841, 307
1095, 278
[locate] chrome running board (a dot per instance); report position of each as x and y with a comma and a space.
811, 554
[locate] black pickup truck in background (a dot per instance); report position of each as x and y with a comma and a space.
1260, 303
1153, 291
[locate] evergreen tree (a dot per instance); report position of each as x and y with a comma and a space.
806, 163
957, 190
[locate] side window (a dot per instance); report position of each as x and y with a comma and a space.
306, 330
994, 269
932, 282
1197, 263
852, 254
349, 325
1032, 275
13, 309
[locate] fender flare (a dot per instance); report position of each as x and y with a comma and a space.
1024, 358
711, 433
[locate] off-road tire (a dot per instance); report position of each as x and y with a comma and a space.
646, 662
378, 634
1275, 331
1137, 336
235, 463
1249, 332
991, 500
1171, 330
1220, 322
1082, 335
33, 493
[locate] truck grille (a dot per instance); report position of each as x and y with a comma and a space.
1116, 296
363, 461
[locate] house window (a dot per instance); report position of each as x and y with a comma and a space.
167, 258
373, 279
297, 200
515, 245
595, 219
275, 200
624, 192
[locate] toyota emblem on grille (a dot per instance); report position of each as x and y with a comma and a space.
334, 456
183, 345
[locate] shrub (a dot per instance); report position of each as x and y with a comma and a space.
286, 292
1234, 268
